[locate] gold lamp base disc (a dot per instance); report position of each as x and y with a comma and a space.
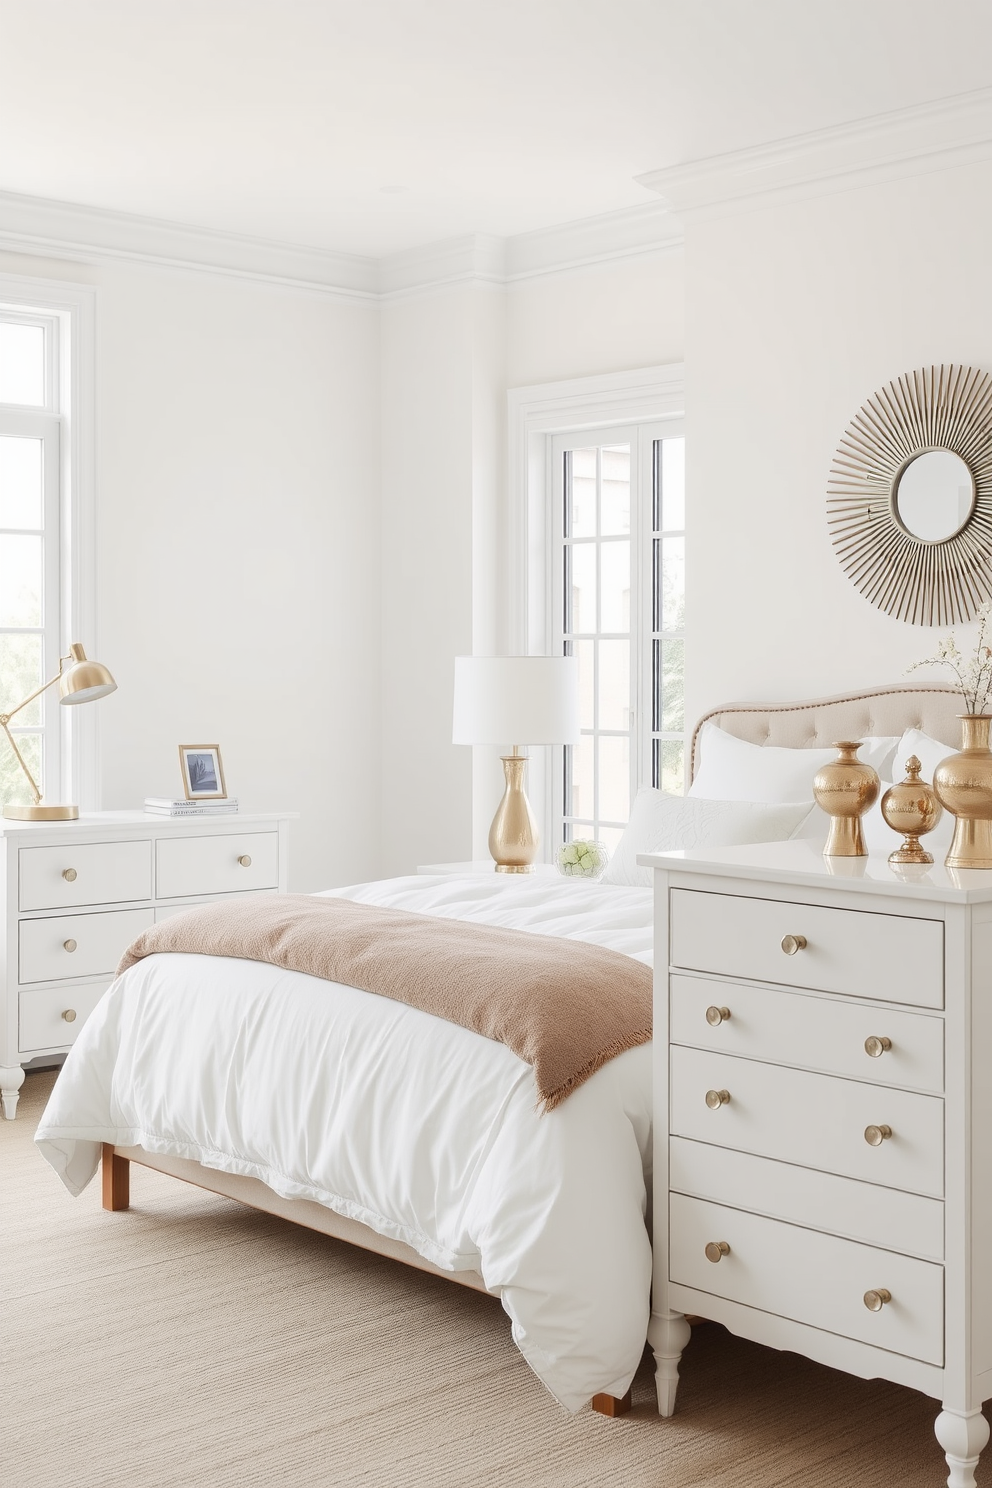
514, 867
41, 813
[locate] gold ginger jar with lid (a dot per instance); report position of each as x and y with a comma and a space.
911, 808
845, 788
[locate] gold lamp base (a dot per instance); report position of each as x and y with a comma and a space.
41, 813
513, 836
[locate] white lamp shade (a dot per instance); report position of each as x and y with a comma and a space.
516, 700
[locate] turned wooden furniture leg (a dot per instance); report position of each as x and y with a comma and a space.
668, 1335
609, 1405
116, 1179
11, 1080
962, 1437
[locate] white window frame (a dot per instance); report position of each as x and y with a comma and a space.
535, 415
70, 312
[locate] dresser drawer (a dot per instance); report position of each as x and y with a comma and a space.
98, 941
43, 1019
809, 1277
83, 873
891, 958
234, 863
814, 1032
817, 1121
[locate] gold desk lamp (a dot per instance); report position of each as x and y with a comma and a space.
80, 681
501, 698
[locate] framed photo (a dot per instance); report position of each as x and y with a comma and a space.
203, 773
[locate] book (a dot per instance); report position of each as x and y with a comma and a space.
163, 806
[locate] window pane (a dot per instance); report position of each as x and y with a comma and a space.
673, 583
584, 653
582, 776
583, 587
672, 761
614, 684
615, 504
673, 485
582, 515
20, 482
14, 788
614, 779
20, 674
20, 580
672, 687
610, 838
22, 364
615, 611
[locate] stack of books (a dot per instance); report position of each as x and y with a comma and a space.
163, 806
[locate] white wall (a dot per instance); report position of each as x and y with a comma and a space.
238, 548
797, 313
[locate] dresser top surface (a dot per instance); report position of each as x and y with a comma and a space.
127, 821
802, 862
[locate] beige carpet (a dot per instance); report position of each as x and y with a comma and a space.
191, 1343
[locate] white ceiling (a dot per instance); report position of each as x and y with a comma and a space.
374, 126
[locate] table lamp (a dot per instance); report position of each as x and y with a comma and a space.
499, 699
80, 681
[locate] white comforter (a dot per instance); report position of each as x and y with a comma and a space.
412, 1125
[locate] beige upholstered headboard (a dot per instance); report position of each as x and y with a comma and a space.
822, 721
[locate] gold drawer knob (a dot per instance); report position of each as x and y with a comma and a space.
245, 860
793, 943
876, 1047
876, 1300
716, 1250
68, 945
69, 1015
69, 874
876, 1135
717, 1098
715, 1016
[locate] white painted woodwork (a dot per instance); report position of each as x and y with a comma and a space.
229, 863
813, 1215
115, 897
811, 1032
863, 958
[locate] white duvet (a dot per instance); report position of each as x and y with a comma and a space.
409, 1124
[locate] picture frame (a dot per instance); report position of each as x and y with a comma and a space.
203, 773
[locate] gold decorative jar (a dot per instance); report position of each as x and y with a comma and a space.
963, 783
911, 808
845, 788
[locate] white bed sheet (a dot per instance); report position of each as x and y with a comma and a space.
414, 1126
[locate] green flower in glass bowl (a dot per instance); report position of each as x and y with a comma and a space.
581, 858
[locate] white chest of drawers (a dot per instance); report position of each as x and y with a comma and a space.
74, 895
823, 1127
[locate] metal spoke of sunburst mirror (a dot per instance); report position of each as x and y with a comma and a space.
922, 573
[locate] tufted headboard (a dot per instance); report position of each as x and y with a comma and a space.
822, 721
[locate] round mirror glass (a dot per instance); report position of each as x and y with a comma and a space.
935, 495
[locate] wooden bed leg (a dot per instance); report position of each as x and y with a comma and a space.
609, 1405
116, 1179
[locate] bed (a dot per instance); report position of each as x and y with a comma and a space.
381, 1125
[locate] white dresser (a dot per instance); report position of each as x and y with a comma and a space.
76, 893
823, 1147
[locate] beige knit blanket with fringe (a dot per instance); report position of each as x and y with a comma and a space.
563, 1006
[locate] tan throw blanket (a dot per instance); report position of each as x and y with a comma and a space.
563, 1006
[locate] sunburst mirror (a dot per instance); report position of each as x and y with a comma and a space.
909, 502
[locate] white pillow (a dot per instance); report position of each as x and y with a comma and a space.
733, 770
659, 822
928, 751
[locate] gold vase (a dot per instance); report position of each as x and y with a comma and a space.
845, 788
911, 808
963, 783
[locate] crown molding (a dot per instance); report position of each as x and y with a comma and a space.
476, 258
33, 225
634, 232
887, 147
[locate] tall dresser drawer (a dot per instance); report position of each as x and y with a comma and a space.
817, 1121
50, 1018
84, 873
812, 1278
888, 1046
231, 863
892, 958
84, 945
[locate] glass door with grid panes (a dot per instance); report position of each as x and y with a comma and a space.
29, 548
618, 597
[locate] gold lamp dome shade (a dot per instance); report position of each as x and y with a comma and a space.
83, 681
